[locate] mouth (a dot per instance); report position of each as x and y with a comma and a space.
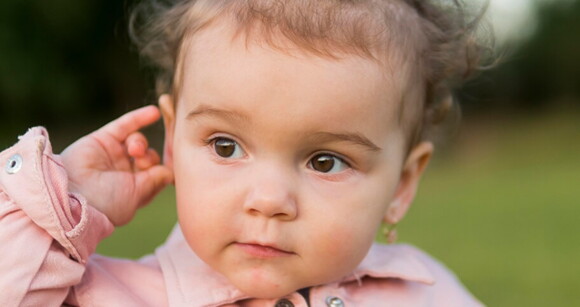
260, 250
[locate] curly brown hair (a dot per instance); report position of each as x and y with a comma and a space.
437, 38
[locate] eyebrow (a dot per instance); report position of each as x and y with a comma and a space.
355, 138
219, 113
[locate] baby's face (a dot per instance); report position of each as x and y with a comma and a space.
284, 165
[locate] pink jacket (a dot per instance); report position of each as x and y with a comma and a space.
47, 236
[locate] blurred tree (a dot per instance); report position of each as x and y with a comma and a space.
65, 61
543, 71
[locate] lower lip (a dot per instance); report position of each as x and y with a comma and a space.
260, 251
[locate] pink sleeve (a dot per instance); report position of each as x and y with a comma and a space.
46, 233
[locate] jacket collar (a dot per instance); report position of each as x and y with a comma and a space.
191, 282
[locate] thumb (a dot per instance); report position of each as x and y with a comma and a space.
150, 182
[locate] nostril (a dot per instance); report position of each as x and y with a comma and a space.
279, 209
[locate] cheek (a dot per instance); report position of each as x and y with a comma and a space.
346, 227
204, 196
341, 250
347, 217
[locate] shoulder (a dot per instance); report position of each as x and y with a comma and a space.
134, 282
411, 275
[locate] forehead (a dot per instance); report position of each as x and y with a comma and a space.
220, 61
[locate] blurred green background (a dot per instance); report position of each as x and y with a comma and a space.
498, 205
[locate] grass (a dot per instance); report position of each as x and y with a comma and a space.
500, 209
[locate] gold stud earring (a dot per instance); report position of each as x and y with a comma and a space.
390, 233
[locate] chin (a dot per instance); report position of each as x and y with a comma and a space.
264, 290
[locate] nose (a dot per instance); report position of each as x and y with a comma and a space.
272, 194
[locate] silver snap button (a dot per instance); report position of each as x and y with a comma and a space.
333, 301
13, 164
284, 303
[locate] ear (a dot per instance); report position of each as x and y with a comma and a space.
413, 168
167, 107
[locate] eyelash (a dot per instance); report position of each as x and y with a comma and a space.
347, 165
211, 143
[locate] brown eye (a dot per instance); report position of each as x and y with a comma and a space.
227, 148
326, 163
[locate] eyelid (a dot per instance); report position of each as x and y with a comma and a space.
210, 141
338, 176
215, 136
344, 159
334, 177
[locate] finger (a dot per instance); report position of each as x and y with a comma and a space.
136, 145
130, 122
150, 158
150, 182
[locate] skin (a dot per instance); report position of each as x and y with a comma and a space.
266, 216
113, 156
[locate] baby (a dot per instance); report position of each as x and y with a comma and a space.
294, 130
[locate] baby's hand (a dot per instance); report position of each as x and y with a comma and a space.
115, 169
